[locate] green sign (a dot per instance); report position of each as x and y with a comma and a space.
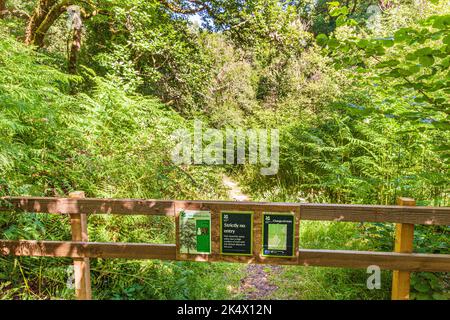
278, 235
195, 232
236, 233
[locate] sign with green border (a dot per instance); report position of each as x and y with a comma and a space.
278, 235
236, 233
195, 232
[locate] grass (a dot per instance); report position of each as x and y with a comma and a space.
319, 283
47, 278
316, 283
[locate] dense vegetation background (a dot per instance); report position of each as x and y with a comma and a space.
359, 91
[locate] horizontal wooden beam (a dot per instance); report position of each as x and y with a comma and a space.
376, 213
88, 206
385, 260
308, 211
73, 249
306, 257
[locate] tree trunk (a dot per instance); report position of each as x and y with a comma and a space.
75, 50
43, 17
354, 7
36, 18
2, 8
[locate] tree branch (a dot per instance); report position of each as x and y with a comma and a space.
14, 13
4, 11
178, 7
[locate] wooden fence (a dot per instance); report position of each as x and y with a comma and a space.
403, 261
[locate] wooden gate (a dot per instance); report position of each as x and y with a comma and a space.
402, 261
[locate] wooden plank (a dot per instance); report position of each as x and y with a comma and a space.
385, 260
404, 238
81, 266
366, 213
236, 206
215, 231
318, 212
307, 257
257, 234
72, 249
88, 206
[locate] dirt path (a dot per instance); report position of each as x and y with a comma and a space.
234, 192
255, 285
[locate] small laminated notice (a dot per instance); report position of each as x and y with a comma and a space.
278, 235
237, 232
195, 232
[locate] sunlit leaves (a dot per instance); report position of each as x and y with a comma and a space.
338, 11
439, 22
322, 39
387, 63
426, 60
446, 40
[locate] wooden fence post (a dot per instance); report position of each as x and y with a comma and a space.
81, 266
404, 236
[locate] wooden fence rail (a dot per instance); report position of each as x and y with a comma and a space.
309, 211
403, 261
306, 257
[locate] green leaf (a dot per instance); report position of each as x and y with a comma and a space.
363, 43
446, 40
352, 22
445, 63
340, 21
380, 51
332, 4
441, 125
388, 63
426, 61
424, 51
414, 69
333, 43
420, 99
334, 12
387, 42
403, 35
422, 286
411, 56
322, 39
441, 22
394, 73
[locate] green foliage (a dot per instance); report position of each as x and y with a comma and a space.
385, 135
342, 159
54, 143
150, 51
362, 115
330, 283
412, 62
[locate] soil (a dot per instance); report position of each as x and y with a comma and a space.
256, 285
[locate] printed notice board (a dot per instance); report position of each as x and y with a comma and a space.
278, 234
195, 232
236, 233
